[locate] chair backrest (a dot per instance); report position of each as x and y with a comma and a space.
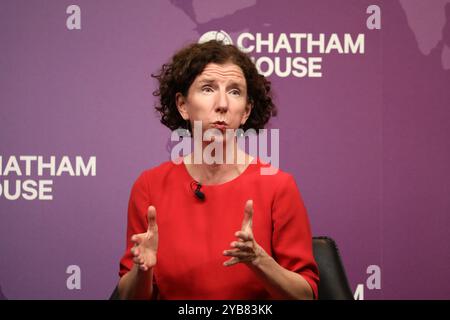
333, 283
115, 294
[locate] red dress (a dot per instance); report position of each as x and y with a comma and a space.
193, 234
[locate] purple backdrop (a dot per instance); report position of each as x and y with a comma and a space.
367, 142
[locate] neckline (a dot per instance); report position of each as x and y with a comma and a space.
250, 167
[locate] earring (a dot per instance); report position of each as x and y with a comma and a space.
240, 131
184, 132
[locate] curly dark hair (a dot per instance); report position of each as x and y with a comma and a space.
189, 62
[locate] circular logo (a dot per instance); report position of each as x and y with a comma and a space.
216, 35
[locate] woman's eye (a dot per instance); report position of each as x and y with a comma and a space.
207, 89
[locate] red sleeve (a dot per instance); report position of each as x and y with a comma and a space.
292, 239
137, 218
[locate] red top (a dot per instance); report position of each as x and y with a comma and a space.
193, 234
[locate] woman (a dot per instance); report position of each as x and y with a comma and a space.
216, 230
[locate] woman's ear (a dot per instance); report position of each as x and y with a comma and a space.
248, 110
180, 101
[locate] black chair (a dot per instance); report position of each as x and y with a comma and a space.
115, 294
333, 279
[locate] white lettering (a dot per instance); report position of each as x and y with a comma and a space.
42, 165
318, 43
354, 47
65, 166
283, 43
240, 42
374, 20
12, 165
81, 167
359, 292
73, 21
74, 280
28, 189
28, 160
268, 42
374, 280
334, 44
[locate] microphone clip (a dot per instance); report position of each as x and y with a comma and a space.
200, 195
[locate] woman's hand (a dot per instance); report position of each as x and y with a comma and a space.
146, 244
245, 249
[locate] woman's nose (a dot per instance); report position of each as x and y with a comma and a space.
222, 102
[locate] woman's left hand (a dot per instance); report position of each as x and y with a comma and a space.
245, 249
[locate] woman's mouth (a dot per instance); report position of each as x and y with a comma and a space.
221, 125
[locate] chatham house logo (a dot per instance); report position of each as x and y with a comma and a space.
291, 54
216, 35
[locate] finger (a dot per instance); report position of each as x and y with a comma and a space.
244, 236
149, 234
143, 267
136, 239
151, 217
243, 246
231, 262
248, 215
136, 260
227, 252
242, 255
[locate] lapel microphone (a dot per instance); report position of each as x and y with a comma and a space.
200, 195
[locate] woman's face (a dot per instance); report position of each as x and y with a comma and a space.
217, 97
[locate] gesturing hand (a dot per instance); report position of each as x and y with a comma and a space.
146, 244
245, 249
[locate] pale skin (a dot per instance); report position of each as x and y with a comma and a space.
217, 94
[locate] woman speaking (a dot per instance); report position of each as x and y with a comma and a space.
215, 225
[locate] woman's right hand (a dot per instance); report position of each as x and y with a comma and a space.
146, 244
